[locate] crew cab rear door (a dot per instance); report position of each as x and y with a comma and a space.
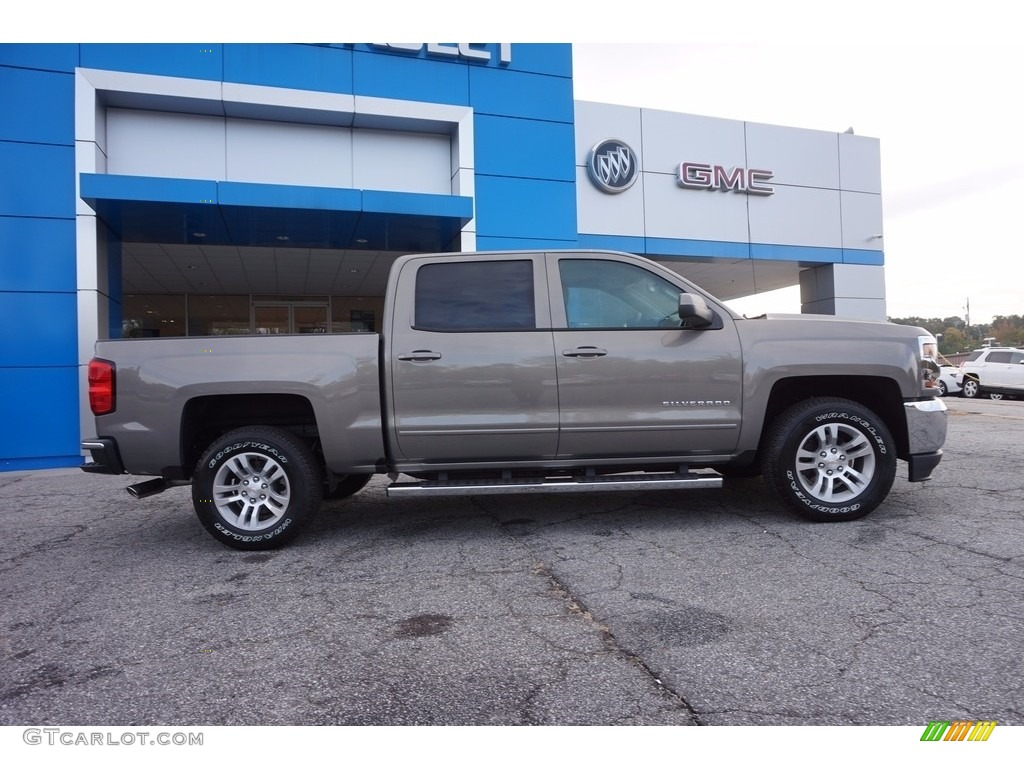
472, 369
633, 383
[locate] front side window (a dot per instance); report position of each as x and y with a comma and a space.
610, 294
475, 296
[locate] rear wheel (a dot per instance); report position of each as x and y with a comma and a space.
256, 487
995, 396
830, 459
971, 388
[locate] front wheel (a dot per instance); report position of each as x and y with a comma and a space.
830, 459
971, 388
256, 487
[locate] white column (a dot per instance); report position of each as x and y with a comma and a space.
845, 290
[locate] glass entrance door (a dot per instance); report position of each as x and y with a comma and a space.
270, 317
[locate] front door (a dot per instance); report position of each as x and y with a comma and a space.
632, 382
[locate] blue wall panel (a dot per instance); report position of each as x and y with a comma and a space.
57, 57
40, 329
542, 58
37, 254
282, 196
627, 243
37, 106
518, 94
862, 256
805, 253
39, 411
394, 76
305, 67
202, 61
528, 148
526, 208
37, 180
664, 246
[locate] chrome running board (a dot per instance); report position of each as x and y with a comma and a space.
603, 483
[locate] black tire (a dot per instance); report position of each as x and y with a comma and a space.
349, 485
995, 396
830, 459
256, 488
971, 388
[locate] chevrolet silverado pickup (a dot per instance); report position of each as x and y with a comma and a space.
520, 372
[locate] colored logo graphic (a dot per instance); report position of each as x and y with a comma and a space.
958, 730
612, 165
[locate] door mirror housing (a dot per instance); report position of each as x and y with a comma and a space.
694, 311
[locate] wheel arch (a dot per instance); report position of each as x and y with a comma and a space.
205, 418
880, 395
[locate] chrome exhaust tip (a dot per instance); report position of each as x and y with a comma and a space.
148, 488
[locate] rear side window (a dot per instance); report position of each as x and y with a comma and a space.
998, 357
475, 296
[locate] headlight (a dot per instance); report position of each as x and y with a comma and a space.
928, 365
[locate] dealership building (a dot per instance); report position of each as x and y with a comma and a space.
192, 190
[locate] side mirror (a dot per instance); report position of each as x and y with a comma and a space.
694, 309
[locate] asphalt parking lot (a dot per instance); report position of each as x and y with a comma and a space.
708, 607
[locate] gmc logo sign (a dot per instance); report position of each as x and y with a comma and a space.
703, 176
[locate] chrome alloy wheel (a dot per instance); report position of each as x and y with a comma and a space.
835, 463
251, 491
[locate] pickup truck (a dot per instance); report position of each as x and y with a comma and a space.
520, 372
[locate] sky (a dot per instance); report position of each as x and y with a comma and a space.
937, 82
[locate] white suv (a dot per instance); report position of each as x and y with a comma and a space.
993, 371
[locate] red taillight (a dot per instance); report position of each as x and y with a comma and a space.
101, 386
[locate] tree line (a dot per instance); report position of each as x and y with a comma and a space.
1004, 331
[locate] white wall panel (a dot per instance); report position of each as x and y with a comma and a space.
288, 153
795, 155
670, 139
402, 162
796, 216
165, 144
597, 122
598, 213
862, 220
860, 163
171, 145
693, 214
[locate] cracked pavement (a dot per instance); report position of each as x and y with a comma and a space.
710, 607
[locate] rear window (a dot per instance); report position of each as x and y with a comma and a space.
475, 296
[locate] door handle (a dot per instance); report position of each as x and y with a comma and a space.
420, 356
585, 352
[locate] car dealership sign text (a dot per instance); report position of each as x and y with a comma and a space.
750, 181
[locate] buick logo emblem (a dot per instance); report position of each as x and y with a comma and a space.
612, 166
